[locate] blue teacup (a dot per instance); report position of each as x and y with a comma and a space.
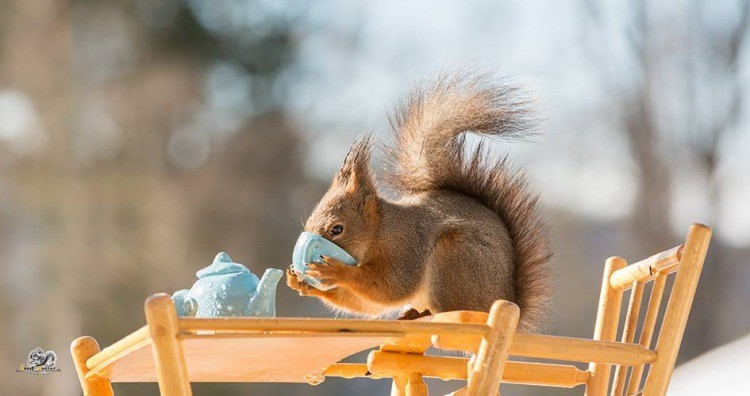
308, 250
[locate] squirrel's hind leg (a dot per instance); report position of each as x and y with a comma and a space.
466, 275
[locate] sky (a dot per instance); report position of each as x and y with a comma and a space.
355, 60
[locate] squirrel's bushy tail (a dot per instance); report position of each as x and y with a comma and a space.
429, 153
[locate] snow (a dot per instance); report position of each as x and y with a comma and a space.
721, 371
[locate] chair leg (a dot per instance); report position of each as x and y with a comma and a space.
166, 346
415, 386
82, 349
411, 385
610, 301
487, 371
398, 388
677, 311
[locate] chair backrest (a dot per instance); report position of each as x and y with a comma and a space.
686, 261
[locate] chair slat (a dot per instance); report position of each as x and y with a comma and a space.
628, 335
647, 332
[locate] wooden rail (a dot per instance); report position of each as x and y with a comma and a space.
129, 343
561, 348
390, 364
645, 270
296, 326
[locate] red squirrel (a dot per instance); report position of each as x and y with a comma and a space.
464, 230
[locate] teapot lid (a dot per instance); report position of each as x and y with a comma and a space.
222, 265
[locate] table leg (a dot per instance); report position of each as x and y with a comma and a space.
82, 349
169, 359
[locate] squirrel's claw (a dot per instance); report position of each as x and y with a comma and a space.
330, 272
328, 260
295, 282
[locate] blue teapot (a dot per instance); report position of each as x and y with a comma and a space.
226, 288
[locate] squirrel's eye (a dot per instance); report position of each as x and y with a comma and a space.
337, 229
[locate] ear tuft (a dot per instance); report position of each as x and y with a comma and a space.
355, 175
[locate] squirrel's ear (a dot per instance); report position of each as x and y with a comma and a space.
355, 175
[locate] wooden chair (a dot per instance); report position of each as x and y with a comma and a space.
603, 352
684, 260
176, 351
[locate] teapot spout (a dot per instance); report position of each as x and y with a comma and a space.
264, 300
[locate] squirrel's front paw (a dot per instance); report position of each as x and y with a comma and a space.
296, 282
331, 272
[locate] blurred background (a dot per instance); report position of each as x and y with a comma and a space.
140, 138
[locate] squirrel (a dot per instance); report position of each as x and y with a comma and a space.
463, 231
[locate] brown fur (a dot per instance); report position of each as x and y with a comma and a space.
464, 232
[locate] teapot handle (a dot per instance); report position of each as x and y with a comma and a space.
184, 304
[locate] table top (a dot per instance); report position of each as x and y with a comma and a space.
299, 358
265, 349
